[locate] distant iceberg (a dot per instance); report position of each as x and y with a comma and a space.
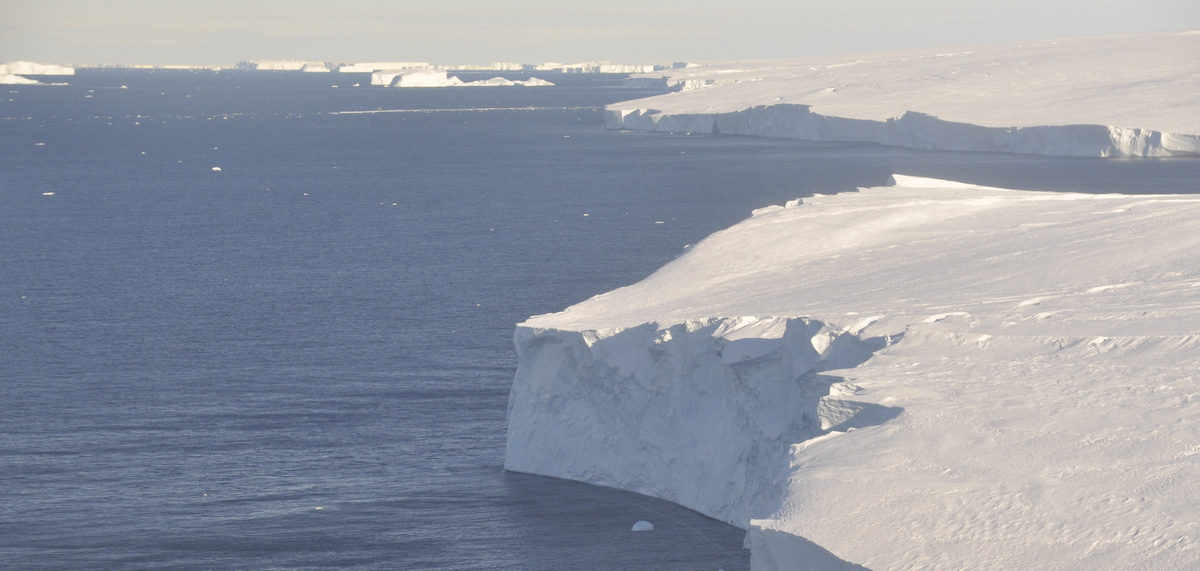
1108, 96
371, 67
927, 375
501, 82
286, 65
18, 80
31, 68
414, 78
426, 77
11, 72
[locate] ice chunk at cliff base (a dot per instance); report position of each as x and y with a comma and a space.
930, 375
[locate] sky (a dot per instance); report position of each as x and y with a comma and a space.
445, 32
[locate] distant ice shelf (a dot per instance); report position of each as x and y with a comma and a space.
1108, 96
928, 375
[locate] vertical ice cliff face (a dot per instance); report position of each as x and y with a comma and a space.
701, 413
913, 130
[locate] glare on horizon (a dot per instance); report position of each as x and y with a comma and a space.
222, 32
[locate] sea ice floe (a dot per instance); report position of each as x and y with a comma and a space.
643, 526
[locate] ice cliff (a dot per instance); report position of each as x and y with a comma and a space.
928, 375
1105, 96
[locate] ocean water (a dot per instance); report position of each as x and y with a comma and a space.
302, 360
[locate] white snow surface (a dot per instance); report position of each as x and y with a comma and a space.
930, 375
1136, 95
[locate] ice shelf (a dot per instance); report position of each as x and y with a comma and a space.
1109, 96
927, 375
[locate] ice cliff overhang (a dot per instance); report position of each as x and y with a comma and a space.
1105, 96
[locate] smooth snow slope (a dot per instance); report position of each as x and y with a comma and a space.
926, 376
1104, 96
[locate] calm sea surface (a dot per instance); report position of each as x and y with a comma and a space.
302, 360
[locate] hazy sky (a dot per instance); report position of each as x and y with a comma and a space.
479, 31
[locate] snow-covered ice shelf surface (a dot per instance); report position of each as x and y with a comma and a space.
1107, 96
930, 375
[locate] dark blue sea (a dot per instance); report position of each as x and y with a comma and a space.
302, 360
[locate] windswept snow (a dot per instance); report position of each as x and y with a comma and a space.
1105, 96
930, 375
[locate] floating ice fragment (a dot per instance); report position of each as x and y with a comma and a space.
39, 144
47, 194
216, 169
643, 526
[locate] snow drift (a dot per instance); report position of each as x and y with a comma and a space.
929, 375
1106, 96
